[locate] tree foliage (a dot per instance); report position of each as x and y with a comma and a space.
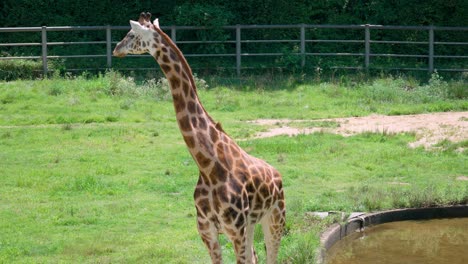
216, 13
188, 12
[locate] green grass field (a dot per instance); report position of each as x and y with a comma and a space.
94, 170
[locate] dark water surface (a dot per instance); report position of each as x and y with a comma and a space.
441, 241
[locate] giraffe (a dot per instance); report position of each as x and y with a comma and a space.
235, 190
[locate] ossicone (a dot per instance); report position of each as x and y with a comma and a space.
144, 17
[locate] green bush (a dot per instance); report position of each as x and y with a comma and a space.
20, 69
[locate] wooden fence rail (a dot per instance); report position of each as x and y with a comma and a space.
239, 53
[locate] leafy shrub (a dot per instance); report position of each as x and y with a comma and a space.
120, 85
20, 69
436, 89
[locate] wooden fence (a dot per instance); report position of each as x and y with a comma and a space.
238, 41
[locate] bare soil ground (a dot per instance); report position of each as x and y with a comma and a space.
428, 128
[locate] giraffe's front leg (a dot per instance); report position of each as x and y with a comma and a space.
242, 240
209, 235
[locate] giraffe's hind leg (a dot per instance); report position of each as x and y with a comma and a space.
273, 226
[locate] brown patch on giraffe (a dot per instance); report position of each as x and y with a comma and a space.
218, 173
199, 108
229, 215
250, 188
236, 186
166, 68
268, 202
189, 141
204, 144
204, 179
194, 122
216, 201
175, 82
257, 204
185, 87
177, 68
193, 95
200, 191
165, 59
202, 160
257, 182
173, 55
156, 37
204, 206
240, 220
202, 123
264, 191
164, 42
179, 102
213, 134
222, 156
191, 106
237, 201
223, 193
235, 151
203, 226
184, 124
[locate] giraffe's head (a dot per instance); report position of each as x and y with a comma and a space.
138, 39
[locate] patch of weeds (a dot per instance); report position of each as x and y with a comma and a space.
54, 90
112, 118
300, 248
127, 104
458, 90
118, 84
308, 124
449, 146
74, 100
110, 170
67, 127
7, 99
225, 100
436, 89
87, 183
6, 135
93, 119
386, 90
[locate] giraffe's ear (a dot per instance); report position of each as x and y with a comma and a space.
136, 26
156, 23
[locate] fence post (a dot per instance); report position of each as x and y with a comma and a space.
173, 33
109, 46
367, 46
431, 50
303, 48
238, 50
44, 50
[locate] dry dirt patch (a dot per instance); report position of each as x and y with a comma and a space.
429, 128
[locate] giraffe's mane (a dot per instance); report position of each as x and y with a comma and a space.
185, 65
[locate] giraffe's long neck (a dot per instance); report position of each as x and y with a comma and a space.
200, 132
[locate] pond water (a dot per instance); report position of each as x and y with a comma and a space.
431, 241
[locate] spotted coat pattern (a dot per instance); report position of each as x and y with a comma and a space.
235, 190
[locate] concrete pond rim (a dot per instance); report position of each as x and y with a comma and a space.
337, 232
